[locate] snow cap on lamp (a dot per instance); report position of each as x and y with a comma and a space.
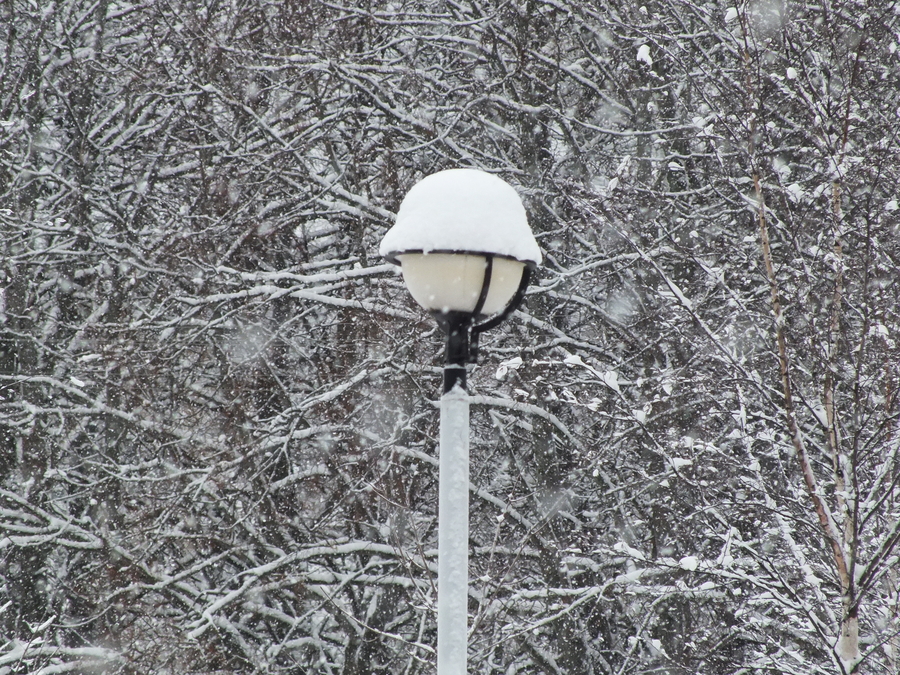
462, 210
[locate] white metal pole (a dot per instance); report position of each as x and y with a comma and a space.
453, 533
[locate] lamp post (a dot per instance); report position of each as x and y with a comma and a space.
466, 252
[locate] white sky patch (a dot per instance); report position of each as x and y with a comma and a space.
643, 54
620, 305
795, 192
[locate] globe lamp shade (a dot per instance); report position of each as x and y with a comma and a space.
463, 243
453, 282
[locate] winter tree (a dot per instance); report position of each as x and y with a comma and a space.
218, 433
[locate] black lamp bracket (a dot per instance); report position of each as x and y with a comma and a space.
497, 319
462, 332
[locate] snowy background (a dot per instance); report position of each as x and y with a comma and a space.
217, 402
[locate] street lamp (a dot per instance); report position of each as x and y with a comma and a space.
466, 251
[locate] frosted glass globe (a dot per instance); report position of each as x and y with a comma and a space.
452, 282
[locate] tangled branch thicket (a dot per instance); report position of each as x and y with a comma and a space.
217, 422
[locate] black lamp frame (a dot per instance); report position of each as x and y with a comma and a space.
461, 328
